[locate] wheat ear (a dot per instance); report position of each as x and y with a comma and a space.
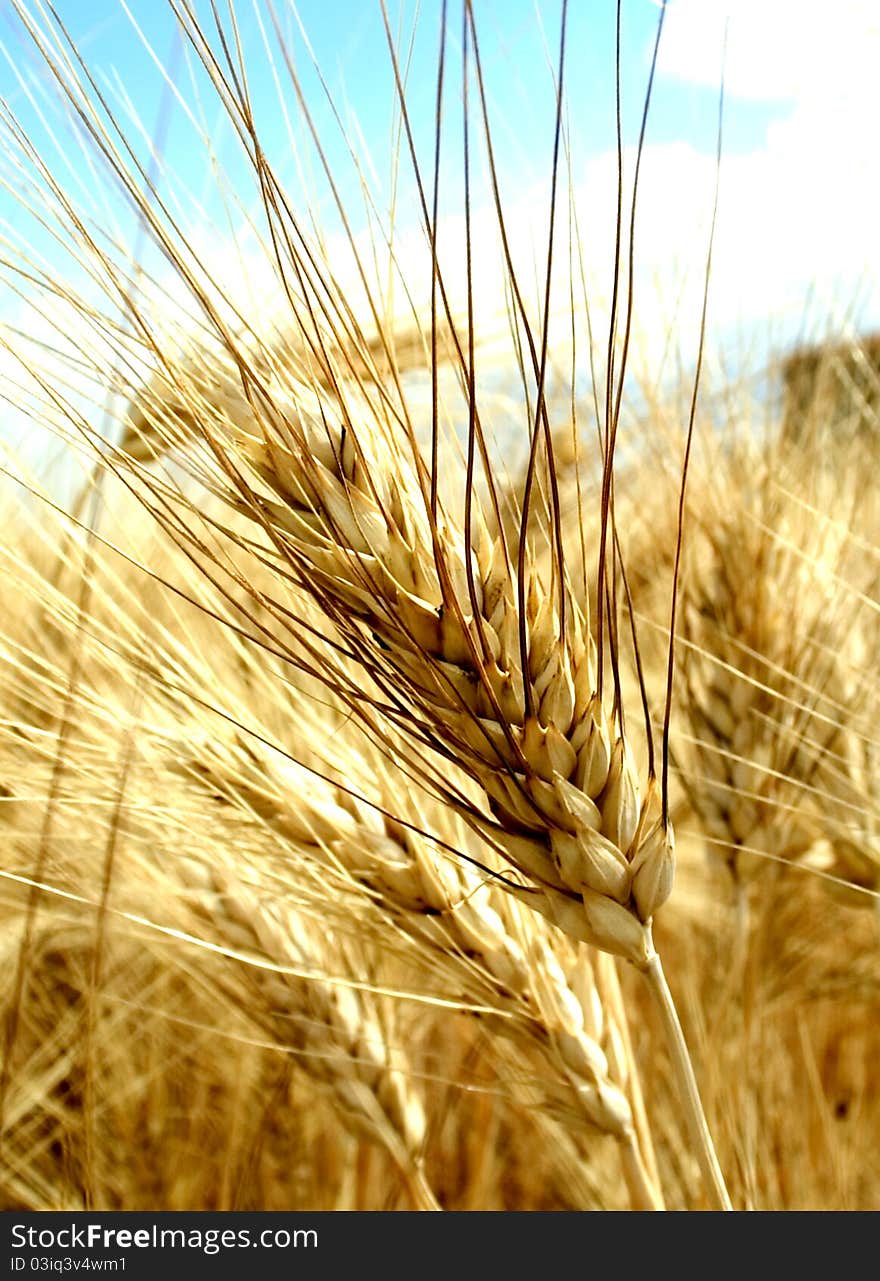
442, 905
448, 631
773, 668
478, 656
339, 1037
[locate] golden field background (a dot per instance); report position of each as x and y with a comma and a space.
262, 942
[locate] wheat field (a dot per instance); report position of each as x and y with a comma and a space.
439, 759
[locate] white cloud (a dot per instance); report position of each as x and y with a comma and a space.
799, 213
802, 50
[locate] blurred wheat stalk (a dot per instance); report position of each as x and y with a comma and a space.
333, 740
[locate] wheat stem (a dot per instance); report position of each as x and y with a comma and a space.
688, 1092
643, 1192
609, 987
419, 1189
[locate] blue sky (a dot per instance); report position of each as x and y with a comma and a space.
799, 182
349, 42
